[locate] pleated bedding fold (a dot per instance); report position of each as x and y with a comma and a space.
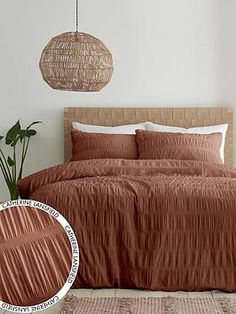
150, 224
35, 256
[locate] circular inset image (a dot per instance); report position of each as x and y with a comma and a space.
39, 256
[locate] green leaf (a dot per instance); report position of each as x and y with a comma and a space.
12, 133
22, 134
10, 162
30, 133
15, 141
36, 122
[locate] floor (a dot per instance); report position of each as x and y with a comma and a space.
135, 294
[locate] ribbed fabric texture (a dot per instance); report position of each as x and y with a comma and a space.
156, 225
35, 256
164, 145
99, 145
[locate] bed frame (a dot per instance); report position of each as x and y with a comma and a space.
183, 117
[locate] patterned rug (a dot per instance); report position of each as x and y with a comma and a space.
169, 305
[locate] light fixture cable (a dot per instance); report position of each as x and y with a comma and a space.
76, 16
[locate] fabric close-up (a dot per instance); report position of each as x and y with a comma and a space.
35, 256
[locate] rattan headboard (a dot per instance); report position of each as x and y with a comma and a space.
185, 117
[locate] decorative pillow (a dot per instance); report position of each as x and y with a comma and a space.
164, 145
97, 146
120, 129
219, 128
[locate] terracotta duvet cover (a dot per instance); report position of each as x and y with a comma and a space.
35, 256
157, 225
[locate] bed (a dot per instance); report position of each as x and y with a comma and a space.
150, 224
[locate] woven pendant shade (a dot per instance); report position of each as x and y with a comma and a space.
76, 61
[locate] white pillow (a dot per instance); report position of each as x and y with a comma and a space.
220, 128
121, 129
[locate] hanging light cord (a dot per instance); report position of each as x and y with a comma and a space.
77, 16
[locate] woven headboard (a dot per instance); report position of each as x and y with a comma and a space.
185, 117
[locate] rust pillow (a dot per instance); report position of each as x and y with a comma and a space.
98, 145
164, 145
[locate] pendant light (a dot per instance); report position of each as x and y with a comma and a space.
76, 61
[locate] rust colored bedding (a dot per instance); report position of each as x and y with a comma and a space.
35, 256
150, 224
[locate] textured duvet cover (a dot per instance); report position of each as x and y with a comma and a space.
35, 256
158, 225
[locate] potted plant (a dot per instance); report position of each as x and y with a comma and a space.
12, 162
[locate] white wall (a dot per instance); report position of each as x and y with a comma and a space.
166, 52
